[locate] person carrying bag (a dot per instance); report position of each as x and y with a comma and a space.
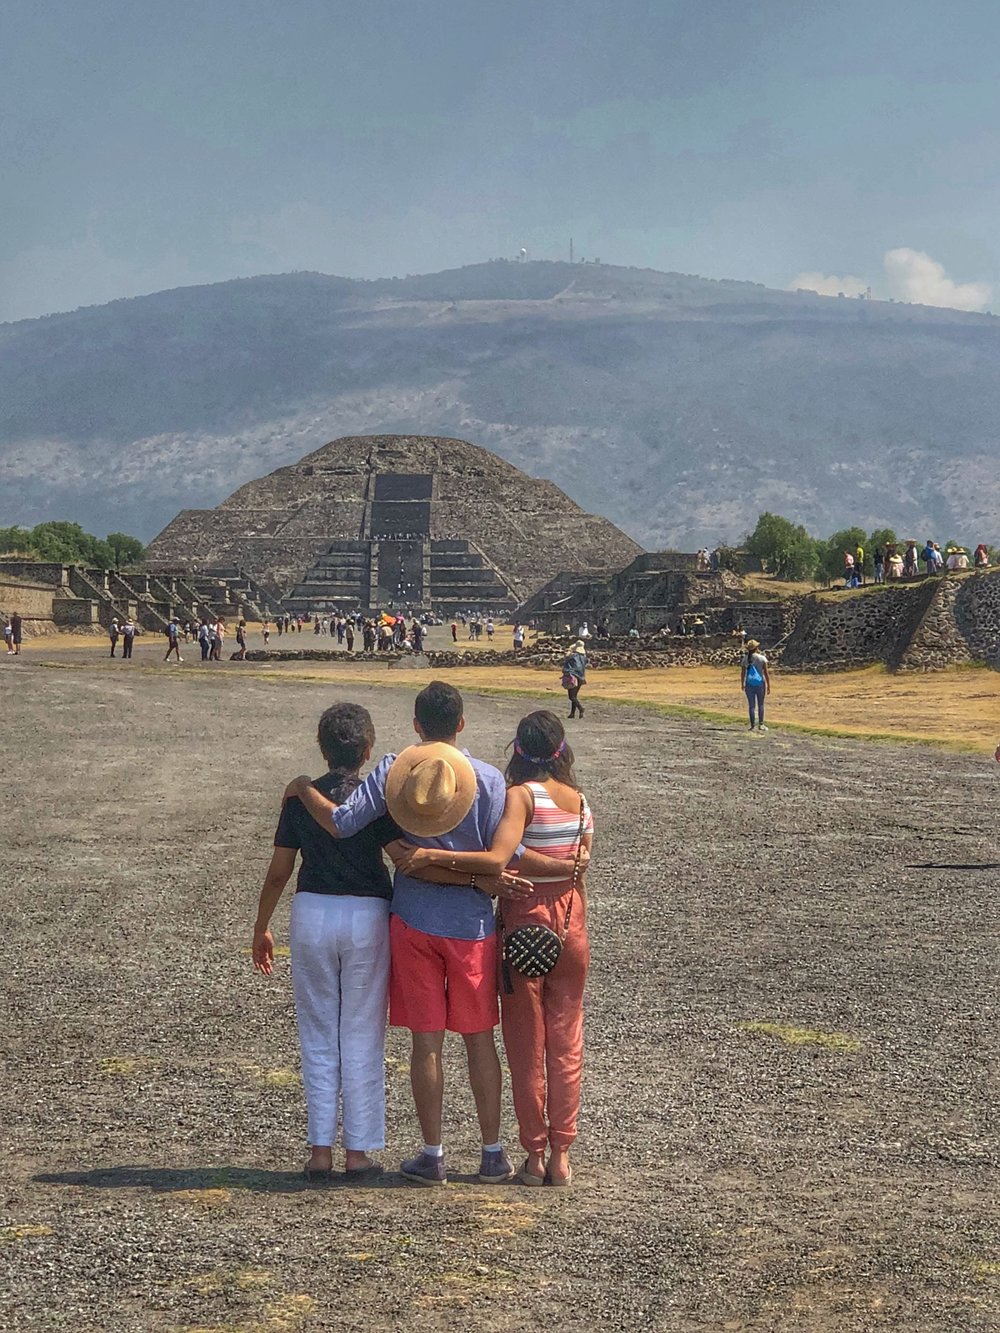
546, 950
574, 676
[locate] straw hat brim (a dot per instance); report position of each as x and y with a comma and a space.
430, 788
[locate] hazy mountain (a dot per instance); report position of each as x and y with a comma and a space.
677, 406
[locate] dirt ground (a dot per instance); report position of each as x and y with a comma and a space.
790, 1099
958, 708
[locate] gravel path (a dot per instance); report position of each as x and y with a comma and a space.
833, 1169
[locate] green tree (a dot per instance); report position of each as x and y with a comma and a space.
832, 551
68, 543
126, 550
784, 547
15, 541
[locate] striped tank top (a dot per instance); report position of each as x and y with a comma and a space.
553, 832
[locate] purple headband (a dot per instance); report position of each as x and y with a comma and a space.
537, 760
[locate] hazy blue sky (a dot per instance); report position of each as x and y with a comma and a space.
149, 145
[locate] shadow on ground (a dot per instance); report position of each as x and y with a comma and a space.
163, 1180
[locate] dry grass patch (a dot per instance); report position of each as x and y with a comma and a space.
208, 1199
126, 1066
794, 1036
24, 1231
288, 1313
506, 1217
270, 1078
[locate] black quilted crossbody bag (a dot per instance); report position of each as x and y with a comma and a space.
533, 951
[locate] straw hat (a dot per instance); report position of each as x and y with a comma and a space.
430, 789
752, 645
580, 647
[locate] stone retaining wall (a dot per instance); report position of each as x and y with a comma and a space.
977, 616
682, 652
857, 629
32, 599
921, 626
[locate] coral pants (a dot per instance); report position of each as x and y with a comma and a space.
543, 1027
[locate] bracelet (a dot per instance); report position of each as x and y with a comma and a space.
472, 882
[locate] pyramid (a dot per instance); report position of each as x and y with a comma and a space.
381, 520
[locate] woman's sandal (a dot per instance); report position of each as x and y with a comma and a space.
318, 1175
526, 1177
563, 1182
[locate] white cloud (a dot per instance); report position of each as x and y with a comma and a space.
824, 284
910, 276
914, 276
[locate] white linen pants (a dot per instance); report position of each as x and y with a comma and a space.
340, 976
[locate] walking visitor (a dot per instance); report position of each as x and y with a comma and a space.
574, 677
755, 681
128, 637
173, 641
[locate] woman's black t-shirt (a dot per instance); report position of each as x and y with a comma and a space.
332, 865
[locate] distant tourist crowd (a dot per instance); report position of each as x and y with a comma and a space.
891, 564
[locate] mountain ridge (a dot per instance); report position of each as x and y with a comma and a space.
706, 400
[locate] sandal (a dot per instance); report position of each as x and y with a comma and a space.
562, 1183
526, 1177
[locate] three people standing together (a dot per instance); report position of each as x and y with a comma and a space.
462, 826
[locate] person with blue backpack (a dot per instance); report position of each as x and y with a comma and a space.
756, 682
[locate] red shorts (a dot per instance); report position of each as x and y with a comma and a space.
438, 983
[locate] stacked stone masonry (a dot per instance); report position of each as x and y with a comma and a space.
374, 521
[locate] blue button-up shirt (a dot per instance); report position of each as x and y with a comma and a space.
453, 911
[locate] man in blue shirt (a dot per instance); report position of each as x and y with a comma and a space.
443, 941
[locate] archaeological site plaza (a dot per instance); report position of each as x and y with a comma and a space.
425, 524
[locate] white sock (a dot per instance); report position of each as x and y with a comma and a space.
433, 1150
492, 1147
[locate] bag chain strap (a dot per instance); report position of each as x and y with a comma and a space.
576, 868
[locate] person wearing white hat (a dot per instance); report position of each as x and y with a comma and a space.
574, 675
